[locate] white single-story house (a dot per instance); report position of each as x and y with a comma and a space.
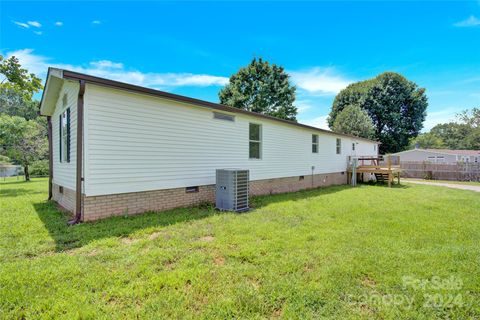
118, 149
440, 155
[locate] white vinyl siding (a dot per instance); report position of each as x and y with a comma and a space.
64, 172
136, 142
424, 155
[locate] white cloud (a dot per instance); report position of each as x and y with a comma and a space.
318, 122
21, 24
59, 23
319, 81
437, 117
106, 64
114, 70
35, 24
471, 21
303, 105
38, 32
96, 22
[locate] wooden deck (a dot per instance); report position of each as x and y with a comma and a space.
385, 169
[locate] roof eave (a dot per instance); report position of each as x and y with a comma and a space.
53, 84
201, 103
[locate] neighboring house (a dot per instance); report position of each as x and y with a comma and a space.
119, 149
440, 155
9, 170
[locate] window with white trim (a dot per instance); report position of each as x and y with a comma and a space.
64, 136
255, 141
314, 143
339, 146
353, 146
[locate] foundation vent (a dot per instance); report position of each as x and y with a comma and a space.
231, 190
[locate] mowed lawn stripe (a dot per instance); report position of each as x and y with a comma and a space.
337, 252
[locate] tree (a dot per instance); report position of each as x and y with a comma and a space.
355, 121
17, 78
396, 106
22, 140
263, 88
427, 141
13, 103
461, 134
17, 88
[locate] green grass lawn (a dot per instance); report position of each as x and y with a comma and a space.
471, 183
409, 252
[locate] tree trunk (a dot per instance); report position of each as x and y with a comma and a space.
27, 174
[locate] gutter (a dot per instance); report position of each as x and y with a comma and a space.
79, 179
50, 157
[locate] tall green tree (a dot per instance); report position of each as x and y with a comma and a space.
263, 88
464, 133
23, 134
15, 77
23, 141
396, 106
427, 140
353, 120
17, 87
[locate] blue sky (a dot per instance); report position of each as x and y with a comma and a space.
191, 48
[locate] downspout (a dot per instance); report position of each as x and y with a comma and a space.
50, 157
79, 179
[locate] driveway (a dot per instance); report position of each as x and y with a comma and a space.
448, 185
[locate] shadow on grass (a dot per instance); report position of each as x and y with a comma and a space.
261, 201
385, 185
17, 192
70, 237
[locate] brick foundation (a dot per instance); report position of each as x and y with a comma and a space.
99, 207
65, 199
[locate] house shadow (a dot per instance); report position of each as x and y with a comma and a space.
70, 237
264, 200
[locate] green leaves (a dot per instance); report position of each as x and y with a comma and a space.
396, 106
355, 121
263, 88
19, 79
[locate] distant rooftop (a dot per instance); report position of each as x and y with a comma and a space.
455, 152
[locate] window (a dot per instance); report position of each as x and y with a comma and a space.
314, 143
353, 146
374, 147
255, 141
223, 116
64, 135
339, 146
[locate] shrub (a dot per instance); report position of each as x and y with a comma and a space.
39, 168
